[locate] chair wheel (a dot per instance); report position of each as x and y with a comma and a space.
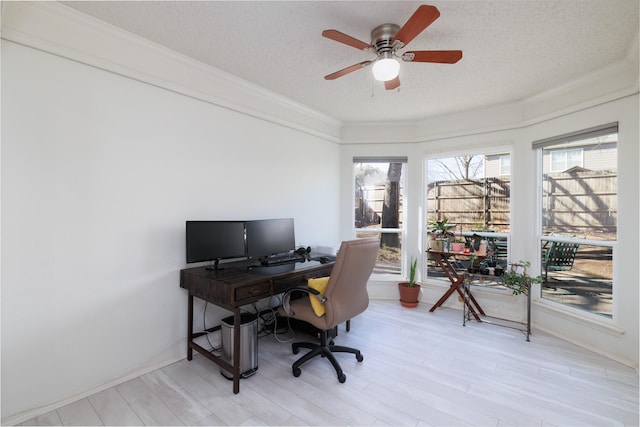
342, 378
296, 372
359, 357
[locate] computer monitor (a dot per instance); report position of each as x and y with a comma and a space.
215, 240
270, 236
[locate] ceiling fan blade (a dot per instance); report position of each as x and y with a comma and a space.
392, 84
440, 56
421, 19
347, 70
343, 38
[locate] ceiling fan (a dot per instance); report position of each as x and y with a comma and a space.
387, 40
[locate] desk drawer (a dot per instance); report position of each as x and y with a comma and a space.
300, 279
258, 290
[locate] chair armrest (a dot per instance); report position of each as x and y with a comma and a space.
287, 296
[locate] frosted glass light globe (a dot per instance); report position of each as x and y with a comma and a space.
386, 69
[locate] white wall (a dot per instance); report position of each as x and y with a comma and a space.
99, 174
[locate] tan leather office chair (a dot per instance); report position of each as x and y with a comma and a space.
345, 297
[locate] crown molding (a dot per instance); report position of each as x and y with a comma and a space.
616, 81
60, 30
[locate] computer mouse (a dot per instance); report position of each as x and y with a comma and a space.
323, 259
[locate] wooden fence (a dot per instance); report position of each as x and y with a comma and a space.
471, 204
578, 202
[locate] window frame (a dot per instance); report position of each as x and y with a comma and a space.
403, 219
539, 147
502, 150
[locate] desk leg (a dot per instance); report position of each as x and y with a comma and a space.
236, 351
190, 327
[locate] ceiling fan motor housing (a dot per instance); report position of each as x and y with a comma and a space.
381, 38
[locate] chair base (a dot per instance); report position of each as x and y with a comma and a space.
326, 349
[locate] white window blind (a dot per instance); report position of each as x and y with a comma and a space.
593, 132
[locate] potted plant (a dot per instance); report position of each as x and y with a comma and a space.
517, 279
499, 270
473, 263
409, 291
478, 244
457, 246
441, 233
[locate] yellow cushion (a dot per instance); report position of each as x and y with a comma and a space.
320, 285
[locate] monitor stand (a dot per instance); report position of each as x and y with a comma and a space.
215, 266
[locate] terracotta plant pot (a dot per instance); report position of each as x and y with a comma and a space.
482, 250
457, 247
409, 295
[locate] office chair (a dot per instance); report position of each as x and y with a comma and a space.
345, 296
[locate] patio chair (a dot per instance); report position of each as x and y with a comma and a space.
559, 256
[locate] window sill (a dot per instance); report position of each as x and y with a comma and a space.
584, 319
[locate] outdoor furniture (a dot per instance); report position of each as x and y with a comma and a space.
559, 256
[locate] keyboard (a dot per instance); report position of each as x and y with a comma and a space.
288, 258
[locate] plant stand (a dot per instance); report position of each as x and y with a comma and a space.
478, 280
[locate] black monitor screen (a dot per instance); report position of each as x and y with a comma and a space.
215, 240
270, 236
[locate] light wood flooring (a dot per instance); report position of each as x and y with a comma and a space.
419, 369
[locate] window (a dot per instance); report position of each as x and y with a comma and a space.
378, 208
578, 219
472, 192
505, 165
562, 160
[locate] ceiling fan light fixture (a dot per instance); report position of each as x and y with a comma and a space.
386, 69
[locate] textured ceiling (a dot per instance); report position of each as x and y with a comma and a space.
513, 49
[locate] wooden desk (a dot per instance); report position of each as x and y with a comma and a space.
457, 279
240, 284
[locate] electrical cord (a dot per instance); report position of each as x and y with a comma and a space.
269, 318
288, 329
206, 333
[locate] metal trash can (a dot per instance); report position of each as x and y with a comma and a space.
248, 344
